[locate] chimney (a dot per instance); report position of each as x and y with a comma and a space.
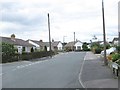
13, 37
41, 40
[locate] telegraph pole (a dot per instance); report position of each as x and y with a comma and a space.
119, 22
49, 33
74, 41
104, 35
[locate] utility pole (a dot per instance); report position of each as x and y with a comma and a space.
74, 41
49, 33
119, 22
104, 35
64, 42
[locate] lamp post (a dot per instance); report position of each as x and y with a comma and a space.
49, 32
104, 35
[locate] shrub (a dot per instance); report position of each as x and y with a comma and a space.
27, 56
98, 50
115, 57
8, 51
118, 49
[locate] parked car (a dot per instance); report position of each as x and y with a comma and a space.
109, 51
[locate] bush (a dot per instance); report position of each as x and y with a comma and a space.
115, 57
98, 50
8, 52
26, 56
118, 49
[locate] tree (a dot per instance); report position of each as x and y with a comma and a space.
45, 48
85, 47
8, 52
32, 50
96, 47
7, 49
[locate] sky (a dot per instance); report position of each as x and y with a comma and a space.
27, 19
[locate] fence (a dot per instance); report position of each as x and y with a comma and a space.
115, 68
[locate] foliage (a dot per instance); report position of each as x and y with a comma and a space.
85, 47
8, 51
115, 57
118, 62
28, 56
118, 49
96, 48
32, 50
45, 48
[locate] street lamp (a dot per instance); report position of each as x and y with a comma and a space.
104, 35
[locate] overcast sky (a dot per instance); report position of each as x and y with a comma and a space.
27, 19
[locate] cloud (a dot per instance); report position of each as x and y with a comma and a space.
28, 18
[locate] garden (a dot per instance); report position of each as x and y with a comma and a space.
9, 54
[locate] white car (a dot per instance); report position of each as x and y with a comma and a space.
108, 51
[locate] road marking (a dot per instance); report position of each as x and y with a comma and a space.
81, 72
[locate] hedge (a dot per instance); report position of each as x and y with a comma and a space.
26, 56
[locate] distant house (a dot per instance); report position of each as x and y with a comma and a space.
40, 45
77, 45
107, 43
57, 45
115, 41
35, 43
19, 44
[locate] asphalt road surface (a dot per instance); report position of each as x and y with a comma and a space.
61, 71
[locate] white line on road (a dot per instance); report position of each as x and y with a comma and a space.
81, 72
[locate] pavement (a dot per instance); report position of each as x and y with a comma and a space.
95, 74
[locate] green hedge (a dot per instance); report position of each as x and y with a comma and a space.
115, 57
26, 56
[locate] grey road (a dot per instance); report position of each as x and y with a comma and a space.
61, 71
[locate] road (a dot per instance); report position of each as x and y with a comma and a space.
61, 71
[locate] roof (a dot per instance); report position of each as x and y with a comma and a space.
115, 39
55, 43
70, 44
35, 41
44, 44
15, 42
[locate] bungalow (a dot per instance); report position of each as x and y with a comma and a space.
19, 44
55, 45
115, 41
35, 43
77, 45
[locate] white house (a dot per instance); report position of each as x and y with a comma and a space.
40, 45
115, 41
77, 45
19, 44
35, 43
57, 45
